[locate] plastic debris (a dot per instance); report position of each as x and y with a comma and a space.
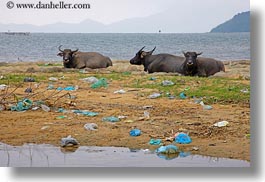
195, 148
91, 126
168, 149
248, 135
167, 83
85, 112
135, 132
50, 87
61, 117
183, 138
152, 78
3, 87
146, 114
221, 123
154, 96
69, 88
147, 107
205, 107
120, 92
122, 117
102, 82
45, 127
22, 105
91, 79
68, 141
29, 79
112, 119
197, 100
182, 95
62, 110
53, 79
28, 90
35, 108
245, 91
187, 88
155, 141
45, 108
2, 107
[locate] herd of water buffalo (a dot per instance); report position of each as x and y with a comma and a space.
189, 64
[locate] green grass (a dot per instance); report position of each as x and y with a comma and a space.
19, 78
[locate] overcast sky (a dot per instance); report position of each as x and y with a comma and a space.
109, 11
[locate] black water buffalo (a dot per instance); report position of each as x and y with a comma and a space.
158, 63
80, 60
201, 66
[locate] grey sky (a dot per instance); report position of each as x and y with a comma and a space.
109, 11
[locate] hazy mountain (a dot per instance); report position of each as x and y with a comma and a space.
239, 23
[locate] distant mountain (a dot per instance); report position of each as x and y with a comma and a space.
239, 23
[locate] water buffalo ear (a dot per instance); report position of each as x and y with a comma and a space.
199, 53
143, 54
60, 54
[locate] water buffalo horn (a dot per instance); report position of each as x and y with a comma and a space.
60, 48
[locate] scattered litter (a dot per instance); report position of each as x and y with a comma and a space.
2, 107
61, 117
167, 83
129, 121
169, 96
102, 82
62, 110
183, 138
69, 88
35, 108
247, 135
122, 117
22, 105
85, 112
45, 127
152, 78
3, 87
53, 79
221, 123
29, 79
197, 100
182, 95
195, 148
68, 141
135, 132
187, 88
45, 108
155, 141
154, 96
91, 79
205, 107
50, 87
28, 90
91, 126
168, 149
245, 91
111, 119
120, 92
147, 107
146, 114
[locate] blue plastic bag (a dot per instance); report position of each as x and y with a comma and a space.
183, 138
135, 132
168, 149
111, 119
155, 141
182, 95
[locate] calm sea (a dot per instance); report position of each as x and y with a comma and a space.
44, 46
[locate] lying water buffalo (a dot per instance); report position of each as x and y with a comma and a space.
80, 60
194, 66
158, 63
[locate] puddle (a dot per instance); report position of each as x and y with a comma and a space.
31, 155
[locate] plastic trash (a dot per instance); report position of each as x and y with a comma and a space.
183, 138
182, 95
135, 132
112, 119
205, 107
3, 87
22, 105
154, 96
35, 108
167, 83
245, 91
28, 90
45, 108
102, 82
91, 126
69, 88
29, 79
50, 87
146, 114
62, 110
53, 79
221, 123
168, 149
120, 92
91, 79
68, 141
61, 117
197, 100
85, 113
155, 141
2, 107
152, 78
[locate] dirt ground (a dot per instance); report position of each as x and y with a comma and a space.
166, 117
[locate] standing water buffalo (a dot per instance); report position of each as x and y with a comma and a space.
205, 67
80, 60
158, 63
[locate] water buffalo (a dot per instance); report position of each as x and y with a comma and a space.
80, 60
201, 66
158, 63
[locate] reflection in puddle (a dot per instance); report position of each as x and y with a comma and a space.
31, 155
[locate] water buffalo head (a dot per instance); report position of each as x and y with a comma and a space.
140, 56
190, 63
67, 54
